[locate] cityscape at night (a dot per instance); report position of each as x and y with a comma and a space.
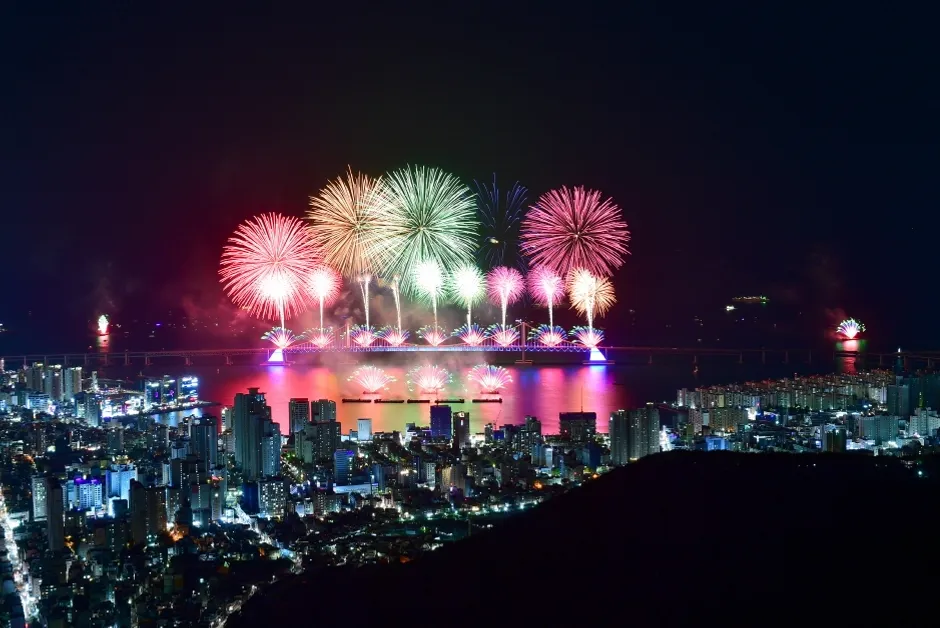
458, 315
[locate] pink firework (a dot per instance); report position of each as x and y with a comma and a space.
505, 286
588, 336
371, 378
432, 335
394, 337
548, 336
321, 338
575, 228
471, 335
265, 266
428, 378
547, 288
324, 284
283, 338
502, 335
489, 378
362, 335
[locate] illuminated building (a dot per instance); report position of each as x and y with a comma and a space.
187, 389
71, 382
834, 439
84, 493
323, 410
39, 497
343, 466
440, 422
116, 439
272, 496
577, 427
880, 428
461, 421
298, 411
250, 413
320, 440
118, 482
633, 434
364, 429
148, 508
52, 383
270, 449
204, 439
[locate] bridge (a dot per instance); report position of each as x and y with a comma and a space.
256, 355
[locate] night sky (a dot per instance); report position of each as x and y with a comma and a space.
789, 152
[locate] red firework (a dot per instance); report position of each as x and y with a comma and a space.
265, 266
575, 228
505, 286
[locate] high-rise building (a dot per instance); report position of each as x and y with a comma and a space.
39, 498
148, 510
834, 439
55, 514
227, 422
440, 422
364, 429
71, 382
343, 466
319, 441
298, 411
879, 428
531, 435
643, 432
52, 383
323, 410
271, 449
617, 430
204, 439
116, 439
461, 422
272, 496
577, 427
633, 434
118, 481
250, 413
899, 400
34, 377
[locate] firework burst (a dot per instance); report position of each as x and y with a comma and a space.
547, 288
500, 218
428, 378
548, 335
573, 228
371, 378
850, 328
361, 335
429, 280
103, 324
505, 286
432, 334
321, 338
588, 336
324, 284
471, 335
591, 296
429, 215
502, 335
265, 266
283, 338
467, 285
347, 221
393, 336
490, 379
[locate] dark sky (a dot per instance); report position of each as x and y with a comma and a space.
789, 151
